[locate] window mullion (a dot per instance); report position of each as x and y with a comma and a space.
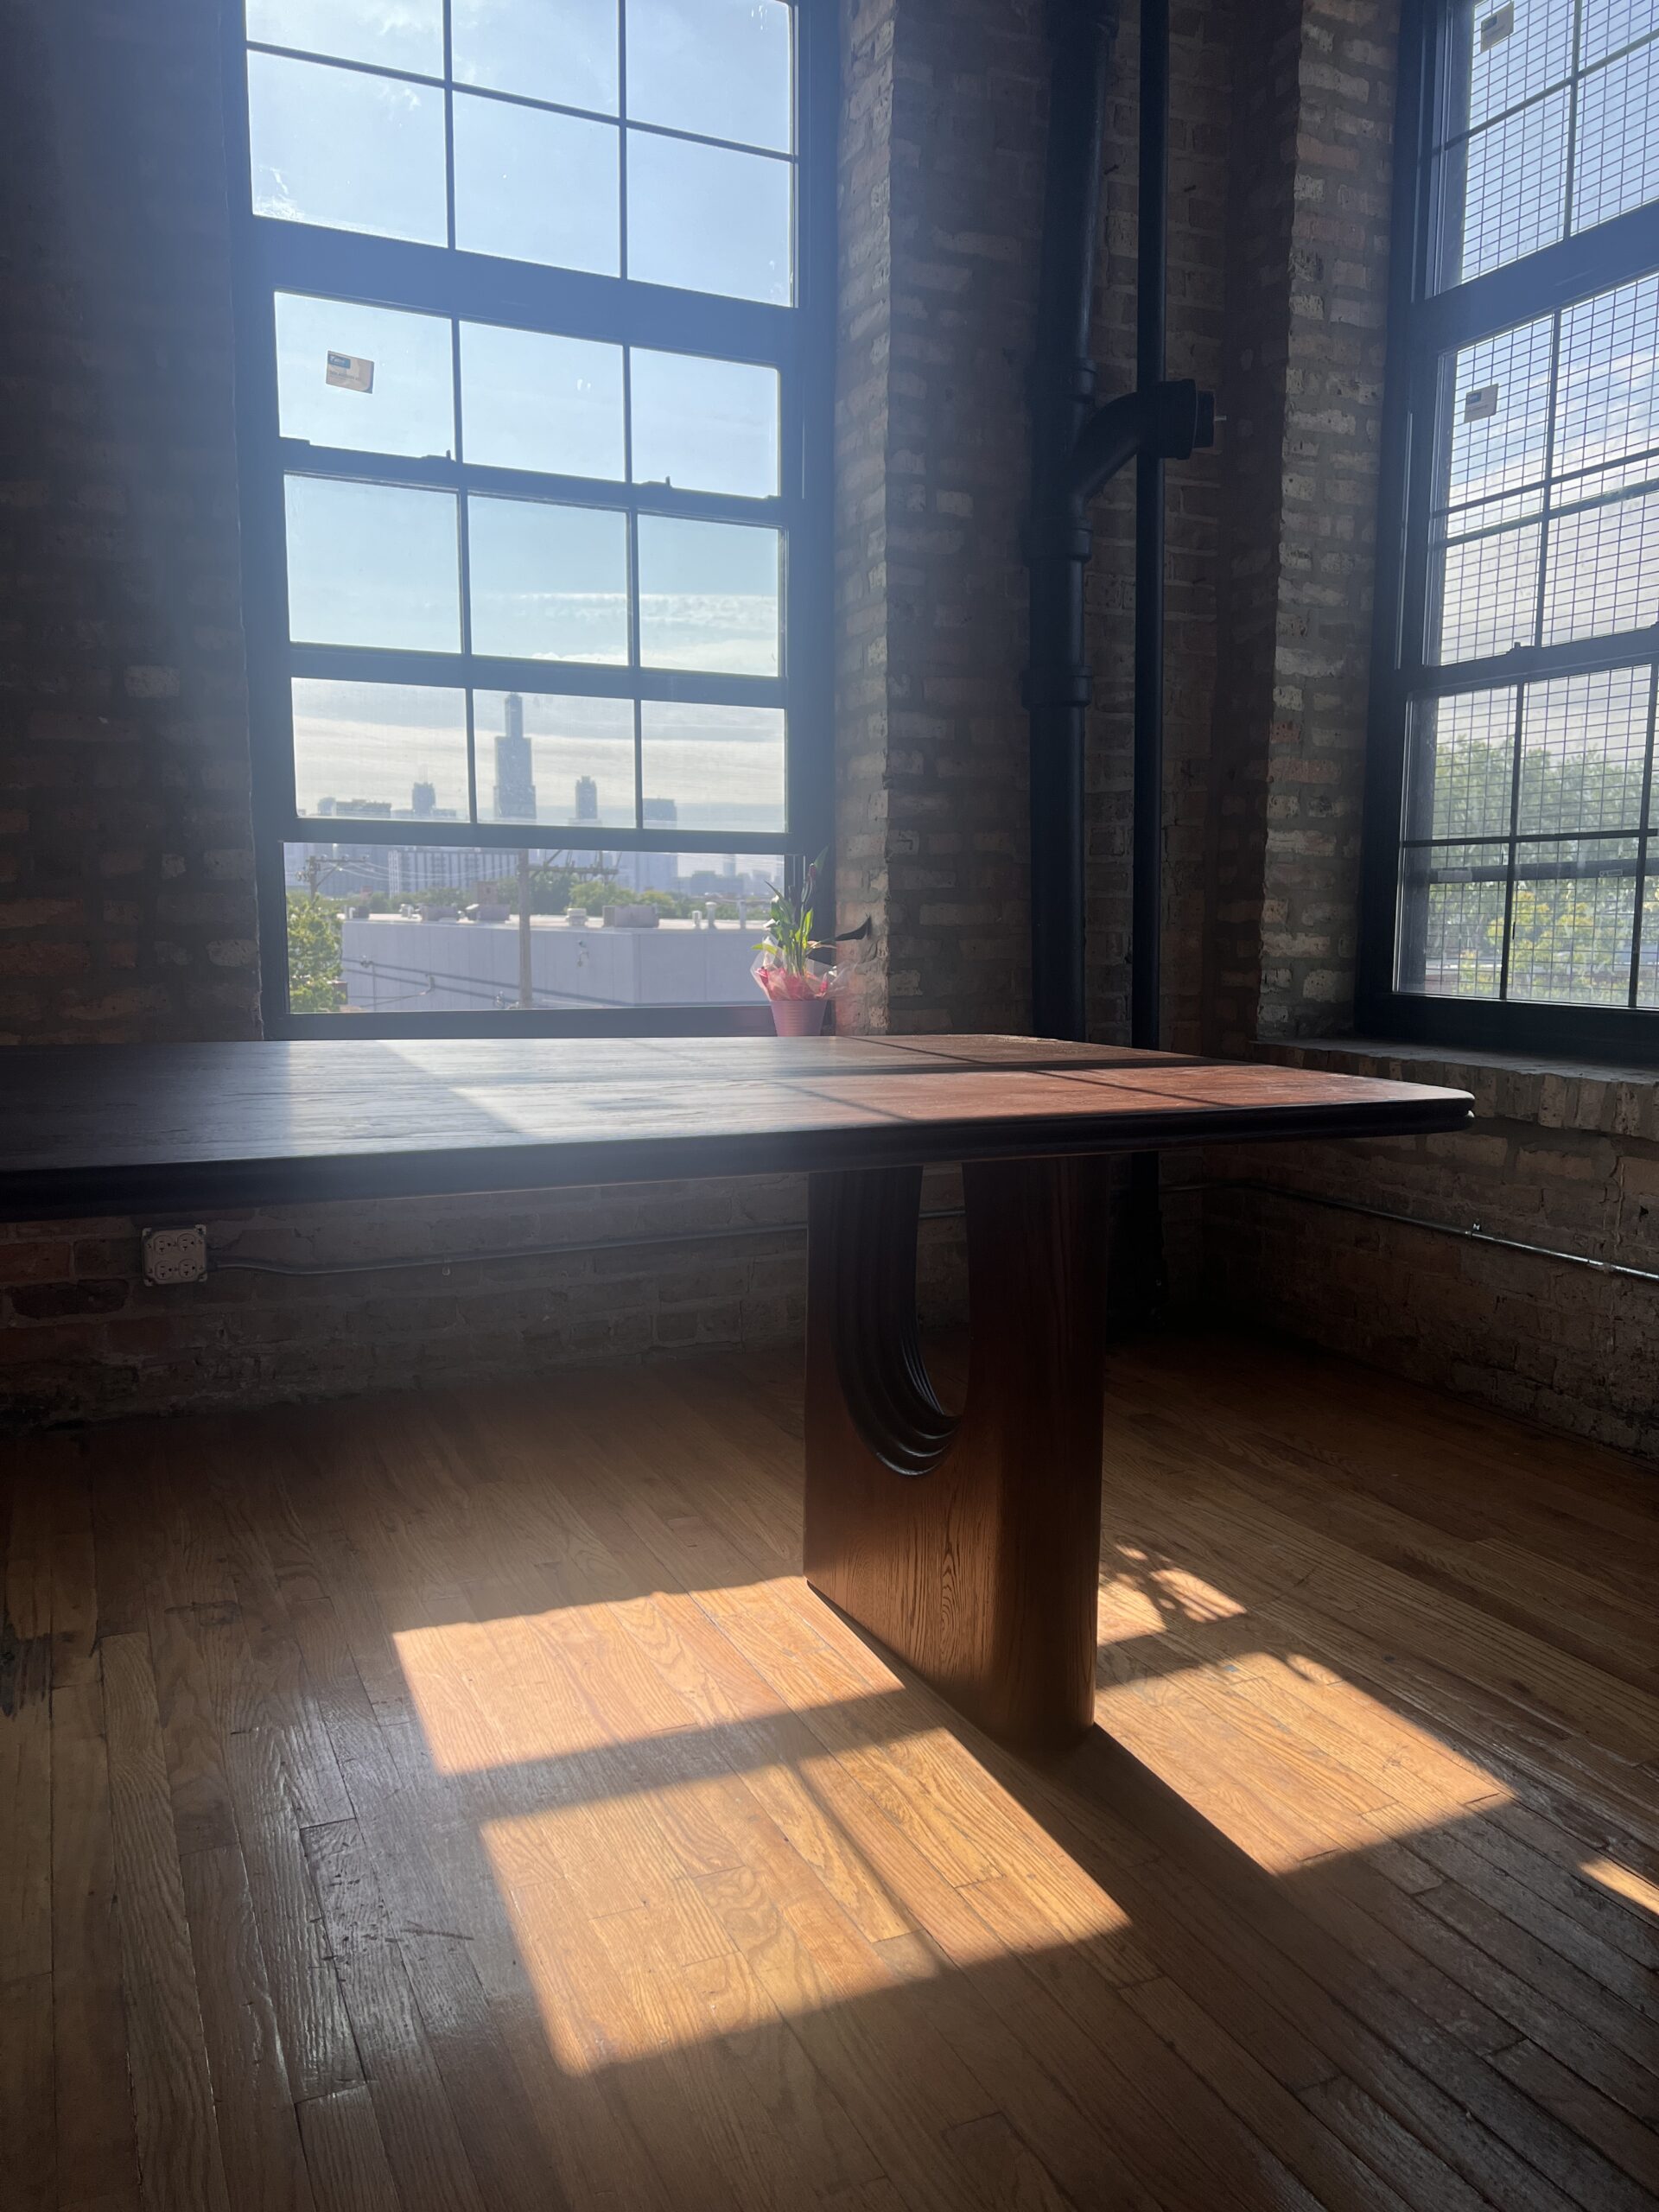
1642, 842
1517, 730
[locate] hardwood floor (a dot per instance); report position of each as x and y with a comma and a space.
460, 1800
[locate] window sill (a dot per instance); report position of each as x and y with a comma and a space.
1553, 1093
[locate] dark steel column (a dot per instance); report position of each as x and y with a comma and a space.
1152, 264
1056, 693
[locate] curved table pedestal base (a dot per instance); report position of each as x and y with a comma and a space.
970, 1545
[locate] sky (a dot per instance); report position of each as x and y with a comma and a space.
723, 767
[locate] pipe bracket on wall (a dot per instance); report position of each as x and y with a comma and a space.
1076, 449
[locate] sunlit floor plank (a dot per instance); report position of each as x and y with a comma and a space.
573, 1853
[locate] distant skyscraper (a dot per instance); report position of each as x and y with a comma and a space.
423, 799
651, 871
515, 793
587, 799
411, 868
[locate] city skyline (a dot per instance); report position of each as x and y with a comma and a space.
365, 746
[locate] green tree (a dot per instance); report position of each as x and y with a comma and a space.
314, 983
1570, 919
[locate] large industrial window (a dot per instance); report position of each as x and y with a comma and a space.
533, 339
1513, 832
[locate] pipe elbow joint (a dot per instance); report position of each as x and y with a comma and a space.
1172, 420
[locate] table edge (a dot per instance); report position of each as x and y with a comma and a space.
62, 1193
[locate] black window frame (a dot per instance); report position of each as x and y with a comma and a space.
1425, 326
270, 256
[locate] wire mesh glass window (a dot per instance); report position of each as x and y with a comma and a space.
1524, 869
1512, 890
1545, 127
1546, 526
532, 302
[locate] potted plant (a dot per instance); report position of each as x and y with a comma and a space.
796, 973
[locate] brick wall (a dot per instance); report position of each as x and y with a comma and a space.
1568, 1159
126, 903
81, 1336
1307, 285
863, 369
942, 198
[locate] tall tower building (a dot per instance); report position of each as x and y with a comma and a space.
515, 794
587, 799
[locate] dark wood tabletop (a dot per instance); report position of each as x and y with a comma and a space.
116, 1129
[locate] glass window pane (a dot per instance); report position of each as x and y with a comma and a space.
527, 401
713, 767
1607, 402
409, 35
371, 564
1646, 978
369, 379
436, 929
1584, 742
1489, 599
1504, 191
707, 596
1607, 25
559, 50
1451, 930
1461, 765
1499, 431
543, 758
1517, 52
1603, 570
1618, 158
534, 187
1570, 921
709, 221
723, 68
547, 583
704, 425
345, 150
391, 752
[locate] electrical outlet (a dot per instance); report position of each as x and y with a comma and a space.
175, 1255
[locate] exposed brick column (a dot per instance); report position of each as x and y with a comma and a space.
1307, 293
126, 901
863, 365
942, 175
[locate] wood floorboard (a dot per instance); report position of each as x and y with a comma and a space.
459, 1801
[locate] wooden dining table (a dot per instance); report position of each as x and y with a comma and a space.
966, 1543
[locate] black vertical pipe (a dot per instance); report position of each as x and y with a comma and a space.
1144, 1275
1152, 283
1080, 34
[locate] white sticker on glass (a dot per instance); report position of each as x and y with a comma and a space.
1498, 26
351, 372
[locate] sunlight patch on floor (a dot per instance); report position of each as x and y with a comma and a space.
1288, 1759
1623, 1883
629, 1954
1139, 1596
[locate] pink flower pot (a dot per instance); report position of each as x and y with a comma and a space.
798, 1017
